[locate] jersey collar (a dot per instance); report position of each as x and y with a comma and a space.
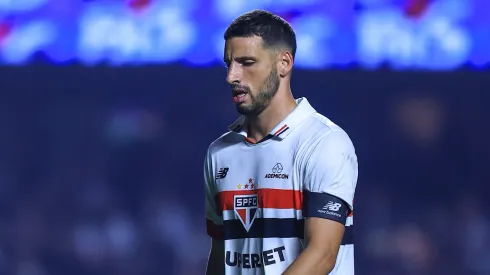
285, 127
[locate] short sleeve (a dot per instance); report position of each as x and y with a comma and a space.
330, 178
214, 220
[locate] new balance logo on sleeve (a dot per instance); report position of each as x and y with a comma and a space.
332, 206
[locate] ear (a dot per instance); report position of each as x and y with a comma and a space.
285, 63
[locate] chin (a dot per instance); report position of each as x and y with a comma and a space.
244, 109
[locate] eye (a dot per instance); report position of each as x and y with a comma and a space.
248, 63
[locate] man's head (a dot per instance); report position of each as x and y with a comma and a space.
259, 54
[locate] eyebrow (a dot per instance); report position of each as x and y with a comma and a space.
240, 59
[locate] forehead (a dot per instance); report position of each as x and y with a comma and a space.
244, 46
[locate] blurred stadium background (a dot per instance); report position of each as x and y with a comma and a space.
107, 108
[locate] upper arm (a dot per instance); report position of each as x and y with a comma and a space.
329, 187
214, 220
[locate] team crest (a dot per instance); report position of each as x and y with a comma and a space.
245, 207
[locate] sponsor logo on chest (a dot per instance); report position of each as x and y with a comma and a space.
277, 173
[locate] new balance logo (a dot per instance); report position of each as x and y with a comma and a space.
222, 173
331, 206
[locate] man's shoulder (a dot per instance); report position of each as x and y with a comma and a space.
225, 141
320, 129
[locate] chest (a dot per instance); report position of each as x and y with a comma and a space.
257, 168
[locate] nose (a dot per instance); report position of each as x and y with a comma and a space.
234, 74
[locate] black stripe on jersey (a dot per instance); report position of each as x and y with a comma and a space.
282, 132
274, 228
265, 138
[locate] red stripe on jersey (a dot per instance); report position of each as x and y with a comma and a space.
214, 231
268, 198
280, 130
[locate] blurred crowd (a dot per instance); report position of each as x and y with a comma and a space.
111, 183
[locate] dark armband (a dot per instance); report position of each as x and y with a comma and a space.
326, 206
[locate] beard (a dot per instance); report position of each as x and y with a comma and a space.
263, 97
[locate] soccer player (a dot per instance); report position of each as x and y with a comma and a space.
280, 184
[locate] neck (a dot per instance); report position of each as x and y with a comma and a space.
279, 108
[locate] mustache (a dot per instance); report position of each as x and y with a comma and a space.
239, 88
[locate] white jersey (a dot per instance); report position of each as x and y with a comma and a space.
257, 195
